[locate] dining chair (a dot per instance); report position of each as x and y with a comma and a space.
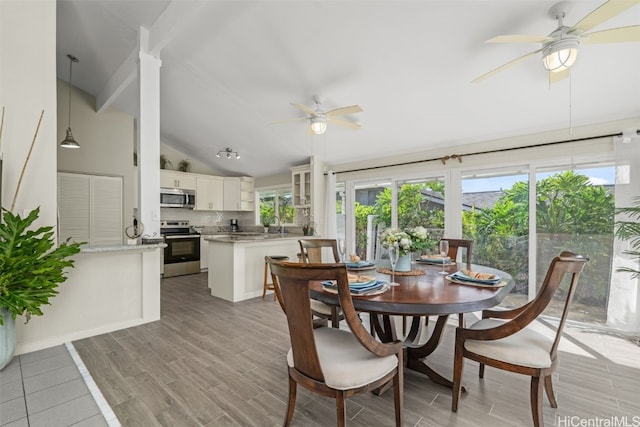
333, 362
505, 339
454, 245
311, 252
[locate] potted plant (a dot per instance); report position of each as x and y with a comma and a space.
30, 267
629, 230
266, 222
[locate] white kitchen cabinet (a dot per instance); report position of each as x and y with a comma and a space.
301, 186
175, 179
238, 193
209, 193
247, 195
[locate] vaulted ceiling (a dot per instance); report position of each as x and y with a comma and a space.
232, 68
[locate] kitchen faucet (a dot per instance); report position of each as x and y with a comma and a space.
280, 228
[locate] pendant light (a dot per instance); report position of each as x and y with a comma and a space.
68, 141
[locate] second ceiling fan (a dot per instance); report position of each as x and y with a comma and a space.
560, 48
319, 118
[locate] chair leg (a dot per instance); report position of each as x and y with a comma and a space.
461, 322
548, 387
398, 392
481, 370
335, 321
458, 364
536, 401
264, 283
291, 404
340, 409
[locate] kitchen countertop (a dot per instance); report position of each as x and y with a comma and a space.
244, 237
115, 248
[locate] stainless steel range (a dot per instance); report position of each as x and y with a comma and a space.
182, 254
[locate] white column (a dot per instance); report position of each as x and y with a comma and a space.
148, 125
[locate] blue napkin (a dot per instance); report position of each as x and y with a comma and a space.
459, 275
357, 288
358, 264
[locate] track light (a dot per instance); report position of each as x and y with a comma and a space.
228, 153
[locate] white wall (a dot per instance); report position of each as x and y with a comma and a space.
28, 86
106, 143
175, 156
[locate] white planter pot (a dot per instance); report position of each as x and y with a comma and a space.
7, 338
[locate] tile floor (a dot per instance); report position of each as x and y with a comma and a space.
48, 388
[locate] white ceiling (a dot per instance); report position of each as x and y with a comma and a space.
231, 68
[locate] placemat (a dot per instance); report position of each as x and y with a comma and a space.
481, 285
401, 273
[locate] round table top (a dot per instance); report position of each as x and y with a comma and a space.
428, 294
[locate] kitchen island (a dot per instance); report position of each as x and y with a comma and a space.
236, 262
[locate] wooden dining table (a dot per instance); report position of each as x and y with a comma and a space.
415, 299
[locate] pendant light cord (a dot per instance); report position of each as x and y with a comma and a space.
72, 59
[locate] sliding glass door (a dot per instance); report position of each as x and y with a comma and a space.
575, 212
495, 215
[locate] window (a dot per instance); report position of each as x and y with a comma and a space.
275, 203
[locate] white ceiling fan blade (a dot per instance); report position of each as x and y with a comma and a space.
343, 123
504, 66
603, 13
614, 35
304, 108
514, 38
560, 75
345, 110
289, 120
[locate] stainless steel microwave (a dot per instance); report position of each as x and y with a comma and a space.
177, 198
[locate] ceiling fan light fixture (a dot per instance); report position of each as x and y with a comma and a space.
560, 55
318, 125
228, 153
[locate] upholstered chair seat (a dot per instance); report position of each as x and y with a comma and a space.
525, 348
345, 363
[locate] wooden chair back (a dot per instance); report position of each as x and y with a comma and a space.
293, 279
566, 263
311, 250
455, 244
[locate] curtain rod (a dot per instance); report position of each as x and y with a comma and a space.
498, 150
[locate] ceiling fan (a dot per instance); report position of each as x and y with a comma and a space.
561, 47
319, 118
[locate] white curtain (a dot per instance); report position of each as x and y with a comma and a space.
330, 212
623, 311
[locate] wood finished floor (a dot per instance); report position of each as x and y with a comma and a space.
209, 362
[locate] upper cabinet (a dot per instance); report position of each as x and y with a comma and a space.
238, 194
213, 193
209, 193
175, 179
247, 196
301, 186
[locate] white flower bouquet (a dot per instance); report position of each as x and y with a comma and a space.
391, 236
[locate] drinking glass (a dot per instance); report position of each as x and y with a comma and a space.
444, 250
341, 249
394, 254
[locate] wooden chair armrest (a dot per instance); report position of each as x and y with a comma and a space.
361, 333
504, 314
